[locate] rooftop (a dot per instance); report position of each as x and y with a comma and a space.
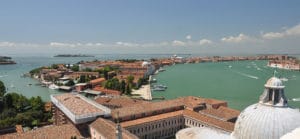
76, 104
49, 132
151, 118
222, 113
119, 102
78, 108
146, 107
98, 80
227, 126
108, 128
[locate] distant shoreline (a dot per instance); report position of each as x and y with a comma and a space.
5, 60
73, 55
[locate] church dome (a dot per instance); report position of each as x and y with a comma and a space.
295, 134
274, 82
271, 118
260, 121
200, 133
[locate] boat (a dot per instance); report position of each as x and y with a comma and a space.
296, 99
160, 86
158, 89
161, 69
153, 80
53, 86
284, 79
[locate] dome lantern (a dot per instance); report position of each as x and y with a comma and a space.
273, 94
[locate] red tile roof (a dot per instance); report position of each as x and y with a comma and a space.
108, 128
49, 132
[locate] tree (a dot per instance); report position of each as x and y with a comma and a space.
8, 100
82, 79
128, 89
75, 67
140, 82
54, 66
70, 83
130, 79
123, 86
36, 103
2, 89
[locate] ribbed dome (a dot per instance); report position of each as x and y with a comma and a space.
260, 121
274, 82
295, 134
200, 133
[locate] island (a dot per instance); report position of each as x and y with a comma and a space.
73, 55
5, 60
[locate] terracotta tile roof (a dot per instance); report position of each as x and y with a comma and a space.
227, 126
151, 118
118, 102
48, 132
144, 108
98, 80
108, 128
191, 101
107, 91
76, 105
223, 113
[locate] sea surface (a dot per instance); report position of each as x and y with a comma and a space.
239, 83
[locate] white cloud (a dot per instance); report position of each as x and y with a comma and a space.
128, 44
61, 44
7, 44
178, 43
205, 42
293, 31
272, 35
188, 37
237, 39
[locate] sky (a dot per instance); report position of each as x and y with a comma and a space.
204, 27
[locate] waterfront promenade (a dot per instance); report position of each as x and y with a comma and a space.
144, 92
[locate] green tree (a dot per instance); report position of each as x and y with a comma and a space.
82, 79
140, 82
8, 100
128, 89
130, 79
123, 86
2, 89
36, 103
54, 66
70, 83
75, 67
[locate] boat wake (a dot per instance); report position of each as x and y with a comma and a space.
247, 75
296, 99
3, 76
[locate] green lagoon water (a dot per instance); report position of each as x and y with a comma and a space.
239, 83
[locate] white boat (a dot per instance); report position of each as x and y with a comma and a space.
284, 79
158, 89
53, 86
160, 86
161, 69
153, 80
296, 99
